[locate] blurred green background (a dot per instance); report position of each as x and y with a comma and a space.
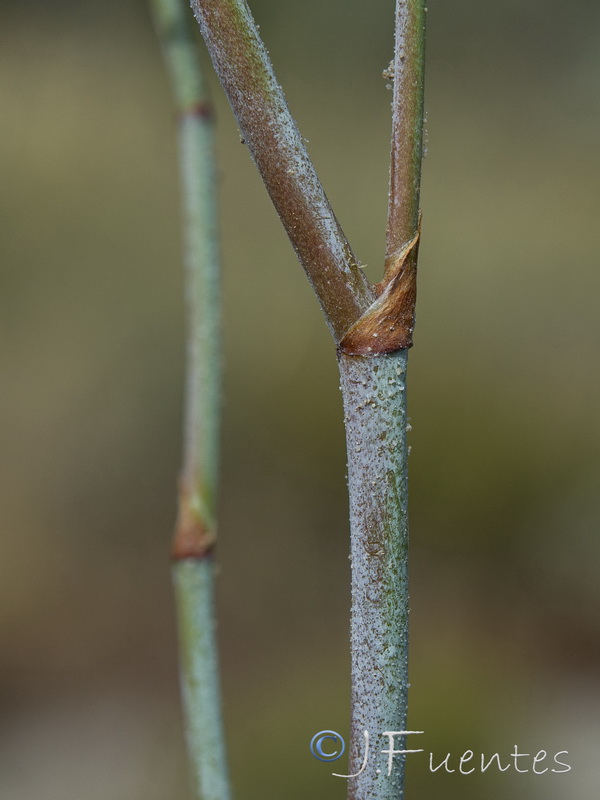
504, 399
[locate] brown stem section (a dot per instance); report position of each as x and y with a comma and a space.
387, 325
244, 69
407, 126
193, 538
203, 111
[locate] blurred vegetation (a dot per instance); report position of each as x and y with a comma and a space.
503, 393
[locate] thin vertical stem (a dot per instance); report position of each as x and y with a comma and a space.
193, 548
407, 125
194, 593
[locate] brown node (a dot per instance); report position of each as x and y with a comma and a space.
199, 111
193, 539
387, 325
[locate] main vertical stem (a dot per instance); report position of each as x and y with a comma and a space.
193, 547
374, 395
375, 408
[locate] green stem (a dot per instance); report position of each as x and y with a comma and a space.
193, 568
194, 594
374, 394
244, 69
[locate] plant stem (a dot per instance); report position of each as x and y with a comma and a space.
243, 66
193, 548
372, 327
407, 124
375, 405
374, 394
194, 593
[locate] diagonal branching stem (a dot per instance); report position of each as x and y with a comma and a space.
193, 548
243, 66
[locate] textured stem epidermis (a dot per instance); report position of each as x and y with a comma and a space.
374, 395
